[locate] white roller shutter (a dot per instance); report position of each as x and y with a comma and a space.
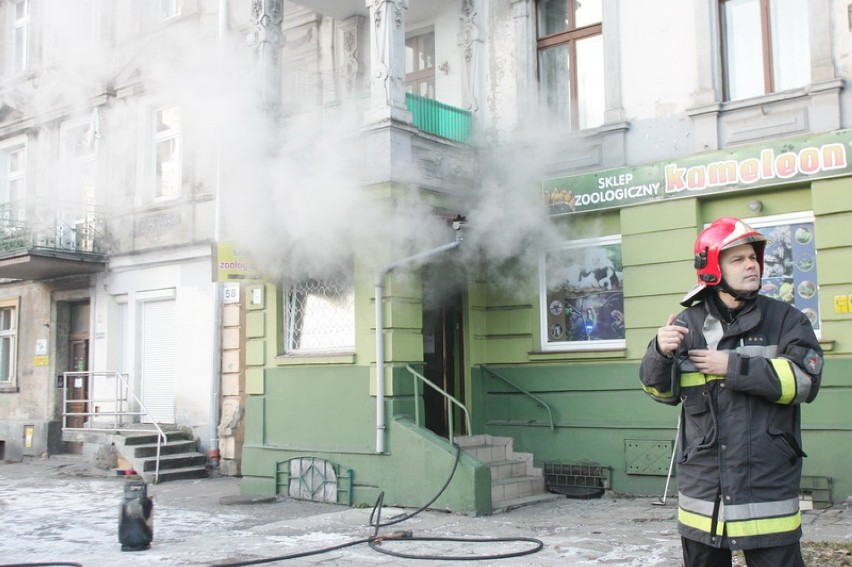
159, 359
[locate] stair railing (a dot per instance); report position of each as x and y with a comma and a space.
120, 401
538, 400
452, 401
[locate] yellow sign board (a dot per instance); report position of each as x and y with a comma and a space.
231, 263
40, 360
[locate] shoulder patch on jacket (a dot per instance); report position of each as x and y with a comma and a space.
813, 362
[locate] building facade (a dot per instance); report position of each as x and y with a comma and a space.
497, 197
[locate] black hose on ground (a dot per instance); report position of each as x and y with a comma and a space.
375, 541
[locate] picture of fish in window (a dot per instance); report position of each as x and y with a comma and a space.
789, 267
589, 291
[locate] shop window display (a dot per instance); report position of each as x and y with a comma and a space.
584, 296
790, 272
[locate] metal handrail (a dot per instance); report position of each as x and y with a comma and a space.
451, 399
122, 389
538, 400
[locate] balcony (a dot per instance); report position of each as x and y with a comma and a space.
42, 239
438, 118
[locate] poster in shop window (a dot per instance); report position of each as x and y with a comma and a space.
585, 300
789, 267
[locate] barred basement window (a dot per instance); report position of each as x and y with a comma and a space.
319, 316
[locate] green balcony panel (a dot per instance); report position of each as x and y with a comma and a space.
438, 118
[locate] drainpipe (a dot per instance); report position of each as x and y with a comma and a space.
216, 379
380, 331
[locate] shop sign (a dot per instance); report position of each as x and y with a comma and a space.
232, 263
784, 162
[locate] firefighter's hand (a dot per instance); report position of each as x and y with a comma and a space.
670, 336
713, 362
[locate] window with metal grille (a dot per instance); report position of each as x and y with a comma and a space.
319, 316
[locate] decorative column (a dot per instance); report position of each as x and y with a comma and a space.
268, 41
387, 61
350, 56
469, 39
525, 41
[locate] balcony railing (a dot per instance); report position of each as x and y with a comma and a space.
438, 118
51, 225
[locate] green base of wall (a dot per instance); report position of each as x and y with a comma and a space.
409, 475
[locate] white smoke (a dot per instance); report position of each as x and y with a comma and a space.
296, 197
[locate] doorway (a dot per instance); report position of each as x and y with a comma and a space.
77, 389
443, 359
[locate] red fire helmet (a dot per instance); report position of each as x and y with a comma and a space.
722, 234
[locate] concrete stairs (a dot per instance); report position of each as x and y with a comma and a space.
179, 458
515, 482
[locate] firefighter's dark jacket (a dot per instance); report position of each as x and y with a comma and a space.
740, 450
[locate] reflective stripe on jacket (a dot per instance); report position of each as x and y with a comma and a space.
740, 456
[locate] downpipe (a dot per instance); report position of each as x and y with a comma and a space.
380, 331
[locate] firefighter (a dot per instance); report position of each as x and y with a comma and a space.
740, 364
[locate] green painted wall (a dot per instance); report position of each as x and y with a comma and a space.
595, 398
327, 412
325, 406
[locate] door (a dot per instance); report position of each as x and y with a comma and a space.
158, 360
77, 389
443, 363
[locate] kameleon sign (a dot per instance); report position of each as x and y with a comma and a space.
789, 161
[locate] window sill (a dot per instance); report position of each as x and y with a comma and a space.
552, 355
315, 358
8, 389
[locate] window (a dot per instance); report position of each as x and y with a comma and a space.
420, 64
789, 262
8, 342
79, 146
169, 9
319, 317
20, 35
765, 46
13, 161
167, 153
583, 296
570, 60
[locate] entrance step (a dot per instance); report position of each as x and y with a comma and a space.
515, 482
179, 458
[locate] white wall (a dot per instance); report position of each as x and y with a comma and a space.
187, 271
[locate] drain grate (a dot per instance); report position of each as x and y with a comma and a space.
576, 480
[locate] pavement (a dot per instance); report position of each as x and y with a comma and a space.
61, 511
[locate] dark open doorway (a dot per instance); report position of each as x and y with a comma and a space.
443, 354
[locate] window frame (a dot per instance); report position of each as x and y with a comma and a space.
344, 288
20, 58
767, 51
168, 9
544, 302
158, 137
7, 148
569, 38
11, 384
415, 78
803, 217
78, 156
